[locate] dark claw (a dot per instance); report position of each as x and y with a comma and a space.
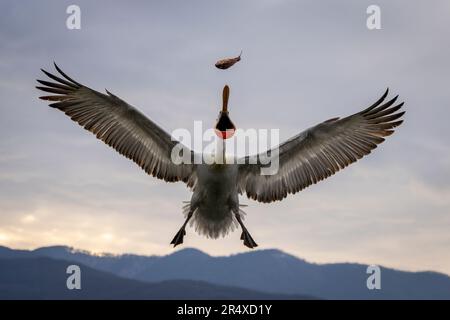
178, 239
248, 240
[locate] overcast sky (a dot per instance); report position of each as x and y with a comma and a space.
303, 62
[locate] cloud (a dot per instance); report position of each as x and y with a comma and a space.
28, 219
303, 62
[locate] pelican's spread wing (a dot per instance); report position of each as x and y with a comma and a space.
320, 151
119, 125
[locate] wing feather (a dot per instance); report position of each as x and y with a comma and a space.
119, 125
321, 151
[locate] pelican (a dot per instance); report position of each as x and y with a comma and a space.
214, 210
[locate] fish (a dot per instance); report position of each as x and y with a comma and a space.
228, 62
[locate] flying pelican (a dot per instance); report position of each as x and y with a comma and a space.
305, 159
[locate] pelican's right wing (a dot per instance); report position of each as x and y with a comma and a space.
119, 125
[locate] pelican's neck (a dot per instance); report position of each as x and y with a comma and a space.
219, 157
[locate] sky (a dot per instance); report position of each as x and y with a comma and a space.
303, 62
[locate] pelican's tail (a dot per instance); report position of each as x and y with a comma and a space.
213, 224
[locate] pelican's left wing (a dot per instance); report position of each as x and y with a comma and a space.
119, 125
320, 151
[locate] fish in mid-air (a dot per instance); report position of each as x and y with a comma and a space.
228, 62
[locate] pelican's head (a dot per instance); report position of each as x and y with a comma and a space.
225, 128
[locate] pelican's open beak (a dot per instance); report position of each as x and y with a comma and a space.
225, 128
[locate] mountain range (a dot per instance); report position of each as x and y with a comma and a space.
192, 274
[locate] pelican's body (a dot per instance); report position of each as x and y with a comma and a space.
214, 209
215, 199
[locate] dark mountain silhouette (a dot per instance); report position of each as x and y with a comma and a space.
45, 278
271, 271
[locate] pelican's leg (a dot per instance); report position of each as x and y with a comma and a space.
248, 240
178, 239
